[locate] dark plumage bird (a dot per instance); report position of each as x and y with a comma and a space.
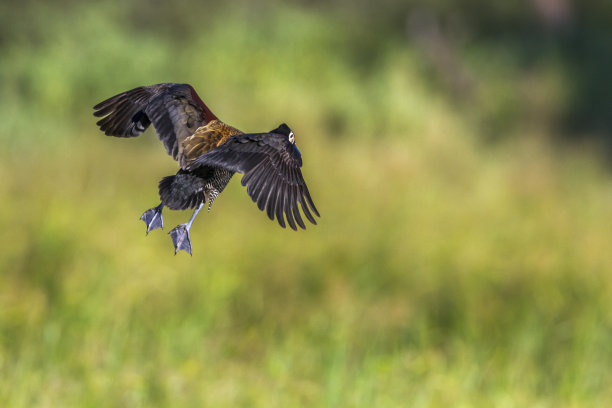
209, 152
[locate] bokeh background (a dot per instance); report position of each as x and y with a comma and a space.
459, 154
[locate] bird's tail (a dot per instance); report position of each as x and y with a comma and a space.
181, 191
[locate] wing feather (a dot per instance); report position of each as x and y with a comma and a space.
254, 188
175, 110
305, 207
280, 205
271, 167
271, 200
295, 209
287, 205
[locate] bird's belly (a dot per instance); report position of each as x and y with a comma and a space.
214, 185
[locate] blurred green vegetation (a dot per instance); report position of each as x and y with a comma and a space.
446, 270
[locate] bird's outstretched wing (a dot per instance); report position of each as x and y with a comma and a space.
175, 110
271, 166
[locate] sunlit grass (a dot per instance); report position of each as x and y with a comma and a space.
442, 273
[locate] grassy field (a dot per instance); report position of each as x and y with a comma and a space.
445, 271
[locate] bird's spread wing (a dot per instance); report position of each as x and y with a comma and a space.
175, 110
271, 166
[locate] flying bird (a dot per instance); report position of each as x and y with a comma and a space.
209, 152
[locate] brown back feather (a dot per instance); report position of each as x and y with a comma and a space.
205, 138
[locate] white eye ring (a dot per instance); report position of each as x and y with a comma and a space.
291, 137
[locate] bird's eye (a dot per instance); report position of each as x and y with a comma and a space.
291, 137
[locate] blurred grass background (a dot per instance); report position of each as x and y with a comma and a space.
458, 154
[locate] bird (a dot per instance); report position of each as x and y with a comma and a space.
209, 152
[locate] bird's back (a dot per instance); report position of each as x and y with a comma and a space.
204, 139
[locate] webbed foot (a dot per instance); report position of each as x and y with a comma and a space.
153, 218
180, 238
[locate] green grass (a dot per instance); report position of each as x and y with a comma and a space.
442, 272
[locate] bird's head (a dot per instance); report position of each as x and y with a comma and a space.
283, 129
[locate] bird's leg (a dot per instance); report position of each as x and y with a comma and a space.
180, 234
153, 218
